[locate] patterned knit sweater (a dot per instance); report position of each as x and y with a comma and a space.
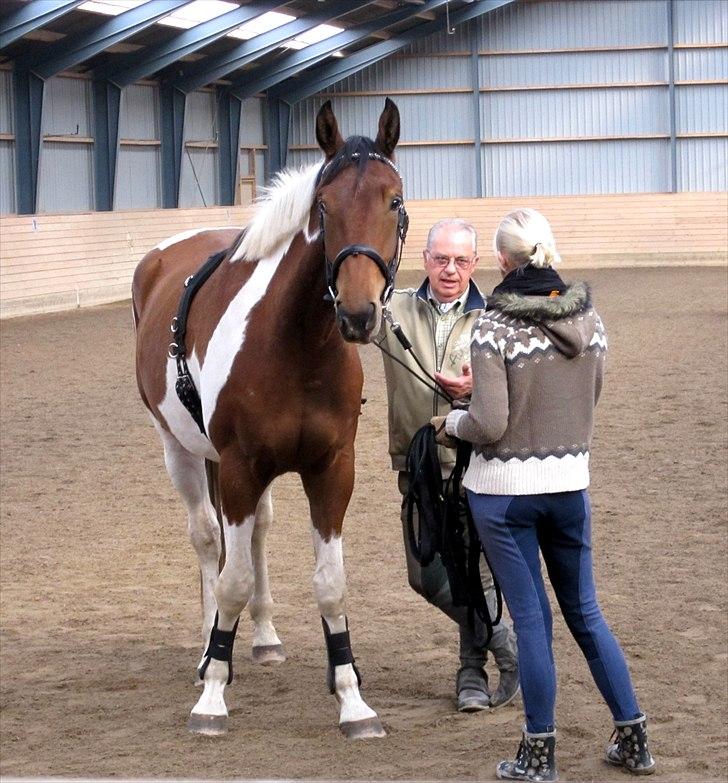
537, 365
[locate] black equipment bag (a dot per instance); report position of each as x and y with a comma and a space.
446, 525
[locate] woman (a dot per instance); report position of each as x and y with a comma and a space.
537, 360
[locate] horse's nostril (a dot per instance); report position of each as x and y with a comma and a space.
371, 321
357, 326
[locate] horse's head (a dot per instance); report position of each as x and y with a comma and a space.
360, 210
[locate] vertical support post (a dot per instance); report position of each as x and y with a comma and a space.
107, 100
28, 99
172, 106
475, 85
279, 115
671, 92
228, 111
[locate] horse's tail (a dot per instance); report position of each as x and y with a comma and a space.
212, 470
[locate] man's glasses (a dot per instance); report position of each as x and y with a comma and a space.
461, 262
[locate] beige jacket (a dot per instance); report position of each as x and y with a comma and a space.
411, 403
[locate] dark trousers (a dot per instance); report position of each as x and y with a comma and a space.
512, 530
432, 584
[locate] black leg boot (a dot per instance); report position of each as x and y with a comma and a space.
534, 760
629, 748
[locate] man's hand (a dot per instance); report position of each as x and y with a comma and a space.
441, 437
459, 387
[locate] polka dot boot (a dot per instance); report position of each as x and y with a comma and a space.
629, 748
534, 759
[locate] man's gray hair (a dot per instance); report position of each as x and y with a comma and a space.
459, 224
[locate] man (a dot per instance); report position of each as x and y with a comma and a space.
437, 319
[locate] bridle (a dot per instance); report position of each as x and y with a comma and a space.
388, 269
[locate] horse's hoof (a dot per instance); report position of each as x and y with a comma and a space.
369, 728
209, 725
267, 654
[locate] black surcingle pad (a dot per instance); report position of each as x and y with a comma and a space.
188, 396
220, 648
338, 648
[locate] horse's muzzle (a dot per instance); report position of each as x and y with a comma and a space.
358, 327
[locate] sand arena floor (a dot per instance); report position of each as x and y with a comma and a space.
99, 605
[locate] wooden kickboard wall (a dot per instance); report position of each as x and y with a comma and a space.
64, 261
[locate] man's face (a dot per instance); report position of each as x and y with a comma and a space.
450, 262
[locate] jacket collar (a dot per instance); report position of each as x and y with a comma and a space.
474, 300
575, 299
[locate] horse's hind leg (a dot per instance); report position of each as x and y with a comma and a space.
267, 647
189, 478
329, 493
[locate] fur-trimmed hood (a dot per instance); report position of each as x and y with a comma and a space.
568, 319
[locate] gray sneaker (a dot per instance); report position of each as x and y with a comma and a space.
507, 690
505, 651
472, 689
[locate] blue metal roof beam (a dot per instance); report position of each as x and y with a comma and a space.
294, 90
32, 16
155, 58
218, 66
73, 50
298, 61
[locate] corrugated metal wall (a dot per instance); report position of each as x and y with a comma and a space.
198, 177
574, 98
568, 97
65, 179
65, 169
138, 166
7, 128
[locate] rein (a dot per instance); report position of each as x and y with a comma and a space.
446, 526
388, 269
428, 380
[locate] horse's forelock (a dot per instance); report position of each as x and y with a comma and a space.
356, 150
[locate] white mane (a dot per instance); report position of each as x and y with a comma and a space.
280, 213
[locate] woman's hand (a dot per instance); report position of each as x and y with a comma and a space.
441, 437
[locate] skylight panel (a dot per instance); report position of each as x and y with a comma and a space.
109, 7
261, 24
314, 35
195, 13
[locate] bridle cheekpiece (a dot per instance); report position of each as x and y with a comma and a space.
388, 269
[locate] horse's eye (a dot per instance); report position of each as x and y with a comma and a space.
321, 206
396, 203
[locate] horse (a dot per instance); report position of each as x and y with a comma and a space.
270, 382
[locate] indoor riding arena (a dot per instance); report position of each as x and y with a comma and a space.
125, 122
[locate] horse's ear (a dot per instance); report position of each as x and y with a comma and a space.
388, 134
327, 131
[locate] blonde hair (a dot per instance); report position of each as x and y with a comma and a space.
525, 237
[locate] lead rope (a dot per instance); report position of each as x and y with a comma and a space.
396, 328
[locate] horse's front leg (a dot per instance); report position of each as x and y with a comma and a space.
328, 494
239, 497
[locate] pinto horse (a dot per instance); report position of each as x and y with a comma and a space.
271, 352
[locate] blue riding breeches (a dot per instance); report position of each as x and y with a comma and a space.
512, 530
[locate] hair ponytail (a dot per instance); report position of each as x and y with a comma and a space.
525, 236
